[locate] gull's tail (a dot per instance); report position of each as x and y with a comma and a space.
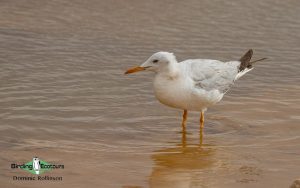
246, 64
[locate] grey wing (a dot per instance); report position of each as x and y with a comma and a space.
214, 75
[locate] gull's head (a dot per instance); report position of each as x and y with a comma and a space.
157, 62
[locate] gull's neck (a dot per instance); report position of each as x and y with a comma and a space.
171, 70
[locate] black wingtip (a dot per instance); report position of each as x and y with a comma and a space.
261, 59
245, 60
247, 56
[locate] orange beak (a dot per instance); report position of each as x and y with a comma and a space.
134, 69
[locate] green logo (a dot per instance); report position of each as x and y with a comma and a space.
37, 166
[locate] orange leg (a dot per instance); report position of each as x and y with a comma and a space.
183, 139
201, 137
202, 120
184, 117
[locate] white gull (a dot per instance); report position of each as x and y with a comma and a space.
193, 84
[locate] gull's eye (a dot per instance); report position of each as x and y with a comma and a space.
155, 61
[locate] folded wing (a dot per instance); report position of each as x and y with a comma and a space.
213, 75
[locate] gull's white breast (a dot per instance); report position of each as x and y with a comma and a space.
175, 92
180, 92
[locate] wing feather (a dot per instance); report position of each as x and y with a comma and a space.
213, 75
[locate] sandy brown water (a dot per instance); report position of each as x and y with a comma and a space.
64, 98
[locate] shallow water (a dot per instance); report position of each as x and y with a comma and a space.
64, 98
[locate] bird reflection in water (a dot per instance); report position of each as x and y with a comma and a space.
182, 165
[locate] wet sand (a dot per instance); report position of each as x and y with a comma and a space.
64, 98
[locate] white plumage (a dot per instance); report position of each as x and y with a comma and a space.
193, 84
196, 85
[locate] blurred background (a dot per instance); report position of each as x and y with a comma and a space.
65, 99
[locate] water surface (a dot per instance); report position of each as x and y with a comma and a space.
64, 98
